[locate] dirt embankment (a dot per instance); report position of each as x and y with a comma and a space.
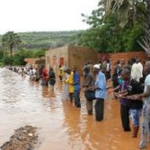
24, 138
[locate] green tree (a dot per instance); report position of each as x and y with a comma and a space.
133, 9
10, 40
38, 53
115, 27
1, 54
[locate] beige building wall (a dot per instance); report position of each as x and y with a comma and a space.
71, 55
79, 55
57, 56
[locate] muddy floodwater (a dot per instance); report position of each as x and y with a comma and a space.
61, 126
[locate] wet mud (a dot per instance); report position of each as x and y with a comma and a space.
24, 138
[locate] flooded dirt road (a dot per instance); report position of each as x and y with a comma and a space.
60, 125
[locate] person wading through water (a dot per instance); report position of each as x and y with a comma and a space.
145, 127
100, 92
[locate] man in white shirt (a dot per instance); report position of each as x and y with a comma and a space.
134, 71
146, 109
139, 69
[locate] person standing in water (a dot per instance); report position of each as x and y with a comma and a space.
145, 127
71, 87
124, 102
60, 73
44, 76
100, 92
135, 106
88, 85
52, 79
76, 83
65, 91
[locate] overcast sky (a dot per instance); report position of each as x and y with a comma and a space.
44, 15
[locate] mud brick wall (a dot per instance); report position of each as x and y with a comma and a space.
126, 57
103, 56
79, 55
72, 55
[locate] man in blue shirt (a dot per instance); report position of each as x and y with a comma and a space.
76, 83
100, 92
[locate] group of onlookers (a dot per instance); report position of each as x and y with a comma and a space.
47, 77
32, 72
71, 84
94, 83
37, 74
131, 83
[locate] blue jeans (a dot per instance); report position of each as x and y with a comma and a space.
77, 98
145, 124
135, 116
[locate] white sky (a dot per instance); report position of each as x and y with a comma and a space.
44, 15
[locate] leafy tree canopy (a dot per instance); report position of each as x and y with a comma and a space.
10, 40
115, 27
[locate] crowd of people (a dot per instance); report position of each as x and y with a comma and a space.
37, 74
130, 85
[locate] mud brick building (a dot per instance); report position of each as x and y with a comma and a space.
77, 56
70, 56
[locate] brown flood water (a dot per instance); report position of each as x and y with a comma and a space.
61, 125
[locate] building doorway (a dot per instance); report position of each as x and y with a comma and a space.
62, 61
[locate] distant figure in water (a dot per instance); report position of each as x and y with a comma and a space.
71, 87
65, 92
76, 83
44, 77
21, 72
60, 72
52, 79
